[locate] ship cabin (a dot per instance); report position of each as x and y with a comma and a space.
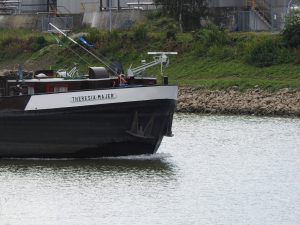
16, 83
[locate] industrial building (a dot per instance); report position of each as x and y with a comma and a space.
70, 7
253, 15
237, 15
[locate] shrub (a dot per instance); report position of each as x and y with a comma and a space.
291, 32
171, 34
266, 52
93, 35
152, 15
114, 35
212, 35
140, 32
213, 42
163, 24
41, 41
36, 43
14, 49
297, 56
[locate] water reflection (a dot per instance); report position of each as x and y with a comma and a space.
157, 165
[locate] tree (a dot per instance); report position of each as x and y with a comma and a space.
291, 32
187, 12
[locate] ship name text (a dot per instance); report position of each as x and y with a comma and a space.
90, 98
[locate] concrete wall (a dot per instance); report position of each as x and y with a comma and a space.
228, 3
37, 21
20, 21
278, 3
120, 20
81, 6
77, 6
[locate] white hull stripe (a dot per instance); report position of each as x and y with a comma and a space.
100, 97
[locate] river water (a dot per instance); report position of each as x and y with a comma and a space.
215, 170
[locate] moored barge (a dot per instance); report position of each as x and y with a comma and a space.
82, 118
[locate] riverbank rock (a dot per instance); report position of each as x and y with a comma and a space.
285, 102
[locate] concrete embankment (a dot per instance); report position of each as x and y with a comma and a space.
284, 102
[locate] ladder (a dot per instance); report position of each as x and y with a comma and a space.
263, 9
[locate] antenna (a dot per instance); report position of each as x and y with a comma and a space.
163, 58
162, 53
160, 58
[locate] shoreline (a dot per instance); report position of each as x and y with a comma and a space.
284, 102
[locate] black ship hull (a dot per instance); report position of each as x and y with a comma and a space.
86, 124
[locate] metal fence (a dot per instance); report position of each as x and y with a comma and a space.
64, 23
278, 18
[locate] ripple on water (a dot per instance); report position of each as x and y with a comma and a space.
215, 170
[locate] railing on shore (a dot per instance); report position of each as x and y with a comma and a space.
9, 7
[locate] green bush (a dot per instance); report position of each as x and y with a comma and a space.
140, 32
114, 35
37, 43
41, 41
7, 41
171, 34
297, 56
163, 24
14, 49
152, 15
213, 42
93, 35
267, 52
291, 32
212, 35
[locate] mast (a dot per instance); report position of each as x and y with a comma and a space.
82, 47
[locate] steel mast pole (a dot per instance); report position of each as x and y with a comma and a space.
110, 22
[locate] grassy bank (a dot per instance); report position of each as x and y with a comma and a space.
210, 58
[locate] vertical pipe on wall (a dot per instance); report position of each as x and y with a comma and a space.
110, 19
119, 5
48, 5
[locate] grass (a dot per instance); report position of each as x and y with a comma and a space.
209, 58
24, 34
212, 74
